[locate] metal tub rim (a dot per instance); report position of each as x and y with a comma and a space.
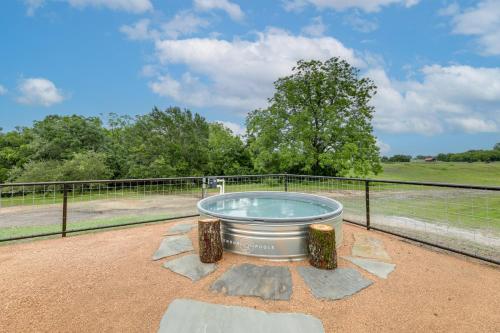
270, 220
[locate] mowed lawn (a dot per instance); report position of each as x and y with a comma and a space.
478, 173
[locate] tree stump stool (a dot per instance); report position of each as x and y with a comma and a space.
322, 251
210, 242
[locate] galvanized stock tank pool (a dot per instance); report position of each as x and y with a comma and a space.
272, 225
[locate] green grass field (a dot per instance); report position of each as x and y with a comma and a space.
478, 173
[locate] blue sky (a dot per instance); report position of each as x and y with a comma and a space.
436, 63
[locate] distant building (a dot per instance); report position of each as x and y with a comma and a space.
430, 159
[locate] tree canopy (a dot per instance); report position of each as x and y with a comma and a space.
227, 152
162, 143
400, 158
481, 155
15, 150
58, 137
166, 143
82, 166
317, 122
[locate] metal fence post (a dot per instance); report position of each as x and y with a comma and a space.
367, 203
286, 182
65, 209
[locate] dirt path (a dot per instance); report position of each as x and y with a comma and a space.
97, 209
106, 282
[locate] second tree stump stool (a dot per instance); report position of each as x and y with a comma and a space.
322, 251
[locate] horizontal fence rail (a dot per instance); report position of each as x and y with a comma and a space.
459, 218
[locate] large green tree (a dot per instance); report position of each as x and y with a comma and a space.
172, 142
81, 166
228, 155
59, 137
14, 150
118, 144
317, 122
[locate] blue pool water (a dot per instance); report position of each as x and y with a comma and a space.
262, 207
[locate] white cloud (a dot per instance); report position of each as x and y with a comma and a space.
39, 91
474, 125
238, 74
3, 90
131, 6
450, 10
365, 5
459, 98
233, 10
237, 129
149, 70
140, 30
167, 87
316, 28
357, 22
384, 147
183, 23
482, 21
32, 6
190, 91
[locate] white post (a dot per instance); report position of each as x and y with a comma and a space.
221, 185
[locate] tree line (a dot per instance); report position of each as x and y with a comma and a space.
317, 122
480, 155
397, 158
162, 143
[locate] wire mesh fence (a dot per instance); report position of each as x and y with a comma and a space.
115, 203
350, 192
34, 210
457, 217
463, 219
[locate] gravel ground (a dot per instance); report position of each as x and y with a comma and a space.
106, 282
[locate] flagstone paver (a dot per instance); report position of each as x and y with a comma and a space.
173, 245
369, 247
180, 228
189, 316
190, 266
267, 282
378, 268
333, 284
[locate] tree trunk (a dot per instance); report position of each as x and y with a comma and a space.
209, 240
322, 251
